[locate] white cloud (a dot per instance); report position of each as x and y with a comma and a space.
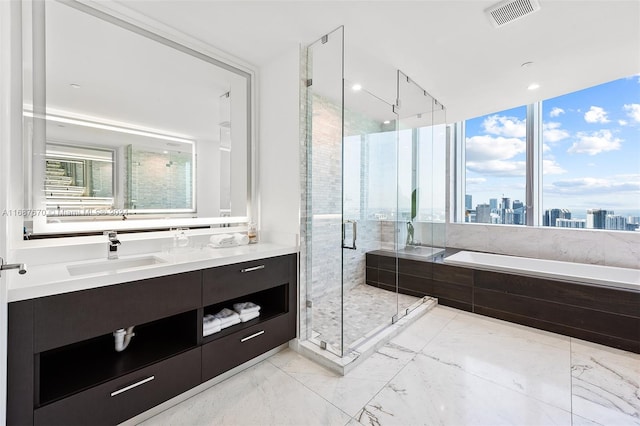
633, 111
498, 167
596, 115
623, 122
475, 181
591, 164
551, 167
505, 126
486, 148
590, 185
555, 111
551, 132
594, 143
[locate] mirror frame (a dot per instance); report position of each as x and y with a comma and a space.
110, 12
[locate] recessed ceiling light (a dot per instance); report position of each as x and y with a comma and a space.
386, 122
165, 152
75, 86
533, 86
356, 87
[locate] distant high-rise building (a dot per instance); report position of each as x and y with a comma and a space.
570, 223
483, 213
508, 217
493, 203
519, 213
506, 205
552, 215
596, 218
634, 220
468, 203
615, 222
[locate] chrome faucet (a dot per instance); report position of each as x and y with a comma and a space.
112, 247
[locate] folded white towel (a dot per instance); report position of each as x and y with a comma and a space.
245, 308
227, 318
210, 320
235, 321
249, 316
225, 313
210, 329
222, 240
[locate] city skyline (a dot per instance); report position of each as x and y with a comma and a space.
505, 210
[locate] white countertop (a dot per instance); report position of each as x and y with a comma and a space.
50, 279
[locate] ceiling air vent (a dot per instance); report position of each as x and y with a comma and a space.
509, 11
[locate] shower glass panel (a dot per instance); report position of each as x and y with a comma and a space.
421, 181
369, 210
323, 223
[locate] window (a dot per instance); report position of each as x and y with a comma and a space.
592, 157
495, 153
589, 156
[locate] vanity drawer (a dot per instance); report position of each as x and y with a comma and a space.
71, 317
232, 350
119, 399
231, 281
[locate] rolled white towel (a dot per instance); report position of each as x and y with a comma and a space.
241, 239
249, 316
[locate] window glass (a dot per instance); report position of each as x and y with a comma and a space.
495, 153
591, 168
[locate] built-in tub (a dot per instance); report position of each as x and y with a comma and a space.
566, 271
596, 303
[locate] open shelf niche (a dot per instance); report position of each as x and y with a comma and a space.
273, 302
73, 368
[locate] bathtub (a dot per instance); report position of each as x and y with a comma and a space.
566, 271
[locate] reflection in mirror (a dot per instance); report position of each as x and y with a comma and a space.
78, 178
122, 123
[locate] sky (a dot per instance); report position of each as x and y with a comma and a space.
591, 151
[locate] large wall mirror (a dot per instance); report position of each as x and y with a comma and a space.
126, 129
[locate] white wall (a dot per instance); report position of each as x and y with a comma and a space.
279, 144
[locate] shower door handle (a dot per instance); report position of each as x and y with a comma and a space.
354, 231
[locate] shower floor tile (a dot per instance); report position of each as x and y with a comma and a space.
365, 309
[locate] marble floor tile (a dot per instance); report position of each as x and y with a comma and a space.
605, 384
260, 395
349, 393
581, 421
418, 334
428, 392
512, 356
383, 364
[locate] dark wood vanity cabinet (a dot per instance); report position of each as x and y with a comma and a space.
63, 368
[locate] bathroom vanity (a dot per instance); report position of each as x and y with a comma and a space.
63, 368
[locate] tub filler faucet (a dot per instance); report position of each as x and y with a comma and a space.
112, 245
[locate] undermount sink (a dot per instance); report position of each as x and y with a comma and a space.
113, 265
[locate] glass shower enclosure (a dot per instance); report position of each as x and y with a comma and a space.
368, 180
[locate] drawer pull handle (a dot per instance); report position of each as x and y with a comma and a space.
255, 268
135, 385
252, 336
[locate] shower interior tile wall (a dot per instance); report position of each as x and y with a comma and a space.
325, 198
